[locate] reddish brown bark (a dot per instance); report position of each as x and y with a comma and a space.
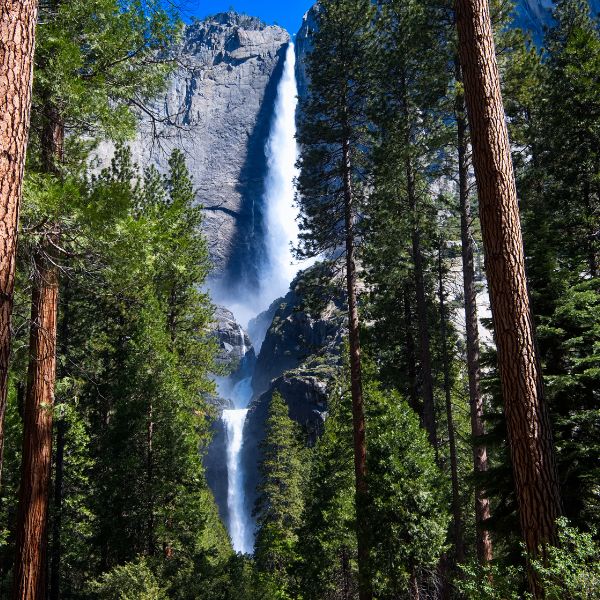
526, 413
358, 413
32, 520
17, 41
32, 528
480, 461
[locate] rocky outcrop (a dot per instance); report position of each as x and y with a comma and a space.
536, 15
302, 46
297, 336
299, 359
235, 348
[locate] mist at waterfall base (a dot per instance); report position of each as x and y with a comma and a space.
276, 272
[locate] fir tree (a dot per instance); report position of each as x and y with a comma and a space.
332, 133
279, 503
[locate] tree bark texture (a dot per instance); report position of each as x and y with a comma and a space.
17, 40
527, 417
358, 413
32, 520
59, 452
480, 462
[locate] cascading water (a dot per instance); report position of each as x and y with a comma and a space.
282, 154
276, 274
238, 527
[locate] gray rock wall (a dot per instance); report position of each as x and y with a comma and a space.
218, 110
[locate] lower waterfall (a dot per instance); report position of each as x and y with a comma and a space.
239, 529
276, 275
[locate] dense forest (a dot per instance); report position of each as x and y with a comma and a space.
433, 134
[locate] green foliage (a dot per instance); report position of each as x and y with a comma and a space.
572, 569
552, 99
327, 538
97, 61
569, 571
333, 117
408, 517
131, 581
493, 582
279, 503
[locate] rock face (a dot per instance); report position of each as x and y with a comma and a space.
299, 359
235, 349
303, 47
218, 110
236, 356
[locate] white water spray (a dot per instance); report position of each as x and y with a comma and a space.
276, 275
282, 154
238, 527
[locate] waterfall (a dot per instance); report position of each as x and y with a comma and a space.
239, 531
276, 275
282, 154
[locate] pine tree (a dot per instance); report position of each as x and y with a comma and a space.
75, 83
332, 134
17, 37
476, 406
279, 502
407, 513
527, 416
411, 80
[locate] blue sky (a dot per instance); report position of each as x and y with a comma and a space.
287, 13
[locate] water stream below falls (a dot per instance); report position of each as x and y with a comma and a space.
276, 275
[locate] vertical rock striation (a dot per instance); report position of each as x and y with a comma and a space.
218, 110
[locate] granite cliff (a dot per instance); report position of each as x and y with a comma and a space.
218, 109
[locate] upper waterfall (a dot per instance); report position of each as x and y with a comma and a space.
282, 154
280, 228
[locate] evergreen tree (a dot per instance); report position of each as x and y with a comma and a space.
410, 85
279, 503
17, 31
332, 135
93, 65
408, 514
528, 422
327, 537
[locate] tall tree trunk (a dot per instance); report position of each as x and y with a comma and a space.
32, 520
410, 353
150, 477
415, 593
17, 40
358, 414
429, 420
480, 461
56, 550
428, 416
59, 456
527, 417
456, 510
